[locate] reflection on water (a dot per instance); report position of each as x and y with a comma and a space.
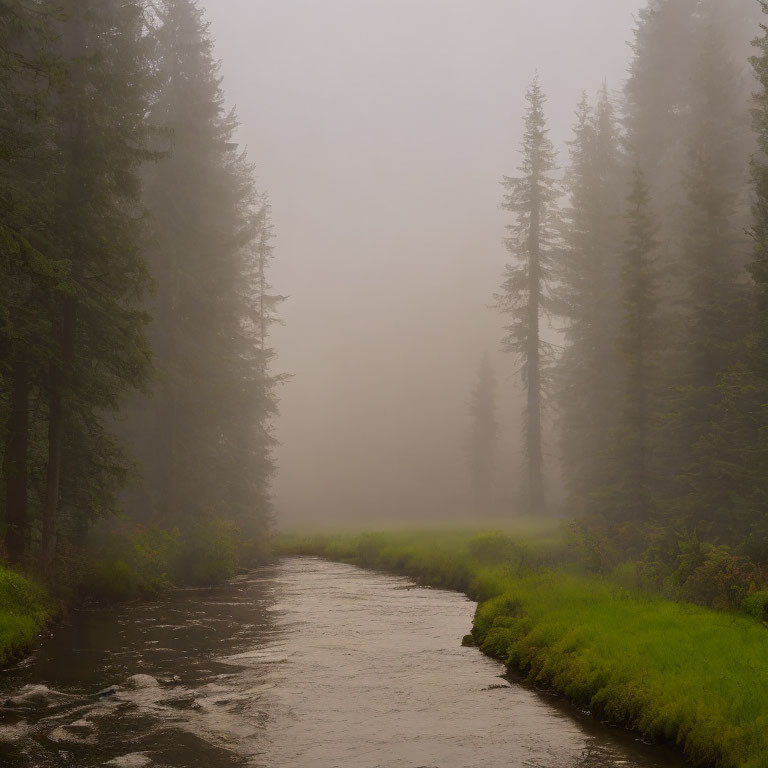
303, 665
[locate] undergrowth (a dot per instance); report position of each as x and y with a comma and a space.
25, 607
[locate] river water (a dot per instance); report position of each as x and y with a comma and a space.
306, 664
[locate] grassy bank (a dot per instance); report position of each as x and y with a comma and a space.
673, 671
25, 607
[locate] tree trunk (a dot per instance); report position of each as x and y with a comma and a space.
15, 467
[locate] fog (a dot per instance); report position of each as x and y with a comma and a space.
381, 130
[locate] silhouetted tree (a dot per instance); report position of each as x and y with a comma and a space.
638, 344
98, 350
527, 288
483, 437
589, 371
205, 438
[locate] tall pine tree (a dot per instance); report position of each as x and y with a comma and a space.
638, 342
205, 438
590, 368
527, 291
483, 438
98, 349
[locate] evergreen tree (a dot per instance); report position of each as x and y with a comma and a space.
72, 252
638, 344
686, 103
715, 302
26, 274
735, 451
204, 439
590, 368
98, 350
664, 47
483, 437
527, 290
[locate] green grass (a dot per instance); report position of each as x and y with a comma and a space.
675, 672
25, 607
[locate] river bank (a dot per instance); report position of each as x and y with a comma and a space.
122, 563
674, 672
25, 609
301, 664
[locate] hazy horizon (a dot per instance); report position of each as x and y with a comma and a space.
381, 131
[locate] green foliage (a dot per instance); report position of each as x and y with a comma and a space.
25, 607
756, 605
687, 438
588, 374
494, 548
675, 672
209, 553
130, 561
721, 578
119, 173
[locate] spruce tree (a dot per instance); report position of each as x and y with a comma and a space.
483, 437
638, 342
98, 350
588, 372
715, 302
205, 438
527, 291
26, 273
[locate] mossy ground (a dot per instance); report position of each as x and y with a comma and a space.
25, 607
675, 672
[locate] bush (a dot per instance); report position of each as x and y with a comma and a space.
129, 562
756, 605
494, 549
25, 607
722, 579
209, 553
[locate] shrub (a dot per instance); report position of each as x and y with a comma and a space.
209, 553
756, 605
494, 548
721, 579
25, 606
129, 562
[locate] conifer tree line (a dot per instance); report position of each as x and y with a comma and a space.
636, 291
135, 305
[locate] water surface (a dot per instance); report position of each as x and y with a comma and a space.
307, 664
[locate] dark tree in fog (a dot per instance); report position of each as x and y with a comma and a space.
205, 437
638, 344
717, 316
527, 288
26, 272
73, 140
483, 437
590, 368
736, 447
98, 349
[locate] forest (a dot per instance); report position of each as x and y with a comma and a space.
618, 570
136, 392
635, 303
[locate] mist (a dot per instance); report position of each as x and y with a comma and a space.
383, 383
382, 130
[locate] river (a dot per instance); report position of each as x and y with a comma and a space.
306, 664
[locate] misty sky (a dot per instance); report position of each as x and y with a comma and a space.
381, 129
